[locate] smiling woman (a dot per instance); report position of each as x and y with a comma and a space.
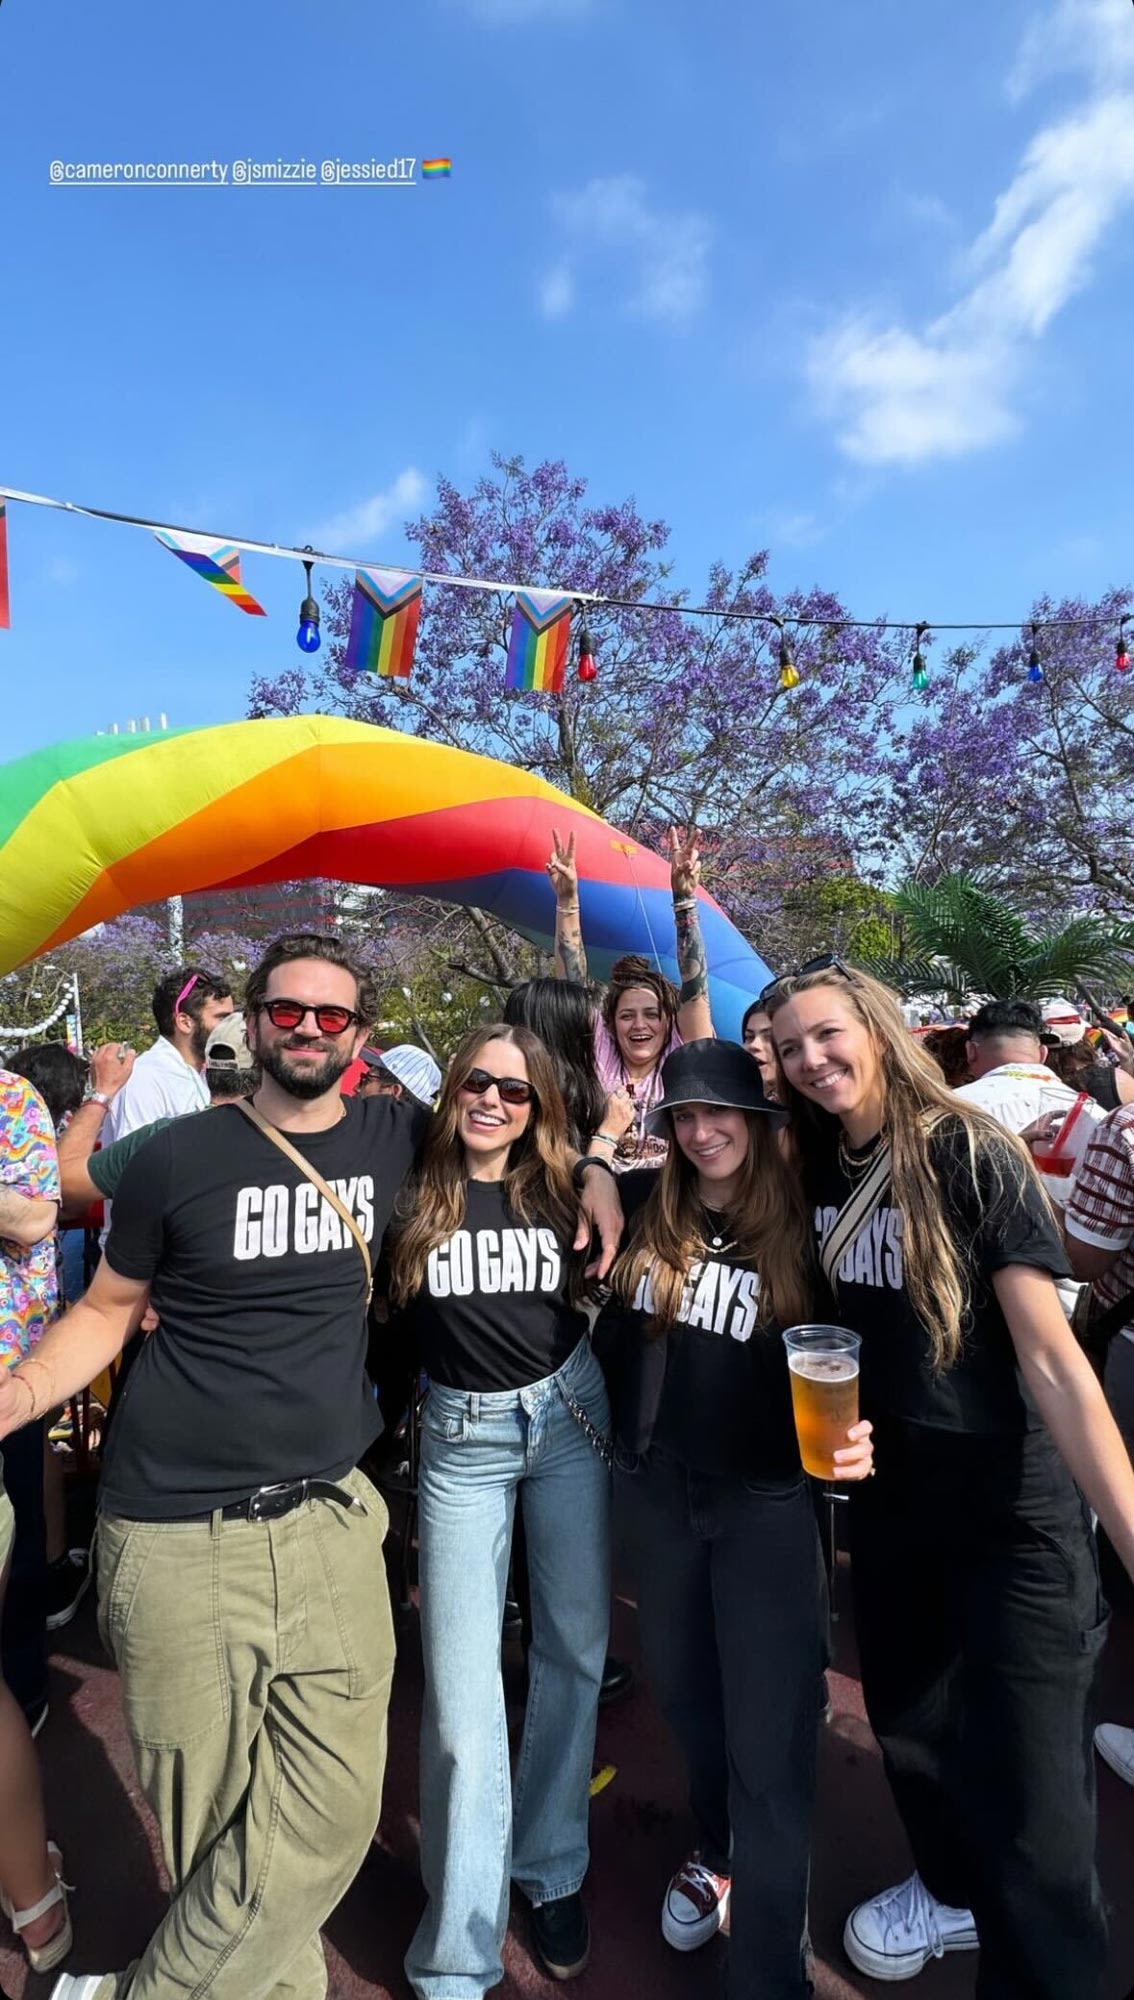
942, 1250
483, 1265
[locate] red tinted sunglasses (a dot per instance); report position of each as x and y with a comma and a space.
328, 1020
512, 1089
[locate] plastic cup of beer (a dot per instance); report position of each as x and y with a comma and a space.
823, 1367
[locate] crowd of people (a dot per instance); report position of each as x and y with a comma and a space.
567, 1263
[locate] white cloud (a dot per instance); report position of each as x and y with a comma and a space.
661, 257
904, 394
557, 290
1095, 36
789, 527
348, 533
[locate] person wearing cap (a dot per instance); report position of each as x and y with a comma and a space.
715, 1508
405, 1071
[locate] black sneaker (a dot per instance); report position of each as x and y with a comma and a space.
617, 1680
67, 1579
562, 1936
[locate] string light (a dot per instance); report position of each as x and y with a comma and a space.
789, 672
307, 637
920, 670
802, 620
587, 670
1121, 656
1035, 664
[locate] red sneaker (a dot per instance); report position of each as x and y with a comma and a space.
696, 1904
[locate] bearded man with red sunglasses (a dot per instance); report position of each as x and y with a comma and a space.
241, 1586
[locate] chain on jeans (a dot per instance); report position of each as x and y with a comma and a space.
602, 1444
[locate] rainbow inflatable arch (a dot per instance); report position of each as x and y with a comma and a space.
92, 828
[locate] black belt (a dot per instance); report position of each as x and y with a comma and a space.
268, 1503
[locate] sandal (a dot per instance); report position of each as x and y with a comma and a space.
45, 1957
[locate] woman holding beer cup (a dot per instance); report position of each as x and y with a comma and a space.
715, 1509
975, 1580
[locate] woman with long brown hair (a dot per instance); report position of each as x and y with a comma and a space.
482, 1259
714, 1506
975, 1580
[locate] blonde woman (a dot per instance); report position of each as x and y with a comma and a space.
714, 1507
482, 1260
976, 1585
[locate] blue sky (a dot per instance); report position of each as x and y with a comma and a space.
849, 282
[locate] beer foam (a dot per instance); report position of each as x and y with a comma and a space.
824, 1367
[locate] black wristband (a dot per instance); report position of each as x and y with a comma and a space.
580, 1167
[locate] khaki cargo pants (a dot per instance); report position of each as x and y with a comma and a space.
256, 1660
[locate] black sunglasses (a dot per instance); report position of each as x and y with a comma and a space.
512, 1089
328, 1020
827, 962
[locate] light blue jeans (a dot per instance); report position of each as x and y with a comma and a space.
477, 1453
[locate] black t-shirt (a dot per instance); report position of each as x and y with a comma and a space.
494, 1311
714, 1389
999, 1219
256, 1372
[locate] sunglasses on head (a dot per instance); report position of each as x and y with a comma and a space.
828, 961
328, 1020
512, 1089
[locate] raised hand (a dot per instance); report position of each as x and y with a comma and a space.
562, 869
684, 861
110, 1066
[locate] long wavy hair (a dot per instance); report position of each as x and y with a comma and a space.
537, 1182
562, 1014
915, 1100
767, 1222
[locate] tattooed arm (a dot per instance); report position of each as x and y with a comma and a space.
570, 961
694, 1017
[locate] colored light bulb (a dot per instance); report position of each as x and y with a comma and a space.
789, 672
920, 675
587, 670
1035, 665
307, 637
1121, 658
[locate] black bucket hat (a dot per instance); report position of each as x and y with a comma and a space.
712, 1072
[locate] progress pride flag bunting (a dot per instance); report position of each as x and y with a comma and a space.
384, 617
217, 563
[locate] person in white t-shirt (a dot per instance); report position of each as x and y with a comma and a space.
169, 1078
1007, 1047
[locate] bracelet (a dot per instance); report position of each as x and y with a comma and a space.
580, 1167
33, 1361
568, 909
610, 1138
17, 1377
97, 1097
685, 902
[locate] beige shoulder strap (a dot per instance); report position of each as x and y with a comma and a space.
864, 1203
855, 1213
316, 1178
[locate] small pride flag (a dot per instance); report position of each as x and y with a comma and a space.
436, 170
539, 641
5, 620
383, 623
217, 563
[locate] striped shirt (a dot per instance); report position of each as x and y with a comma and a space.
1101, 1208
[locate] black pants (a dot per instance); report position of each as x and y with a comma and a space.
980, 1622
23, 1635
731, 1605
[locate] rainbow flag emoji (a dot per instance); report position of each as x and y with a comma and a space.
217, 563
384, 618
436, 170
5, 620
539, 640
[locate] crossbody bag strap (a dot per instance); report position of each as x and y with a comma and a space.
856, 1212
310, 1173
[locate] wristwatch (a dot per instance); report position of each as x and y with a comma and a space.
97, 1097
580, 1167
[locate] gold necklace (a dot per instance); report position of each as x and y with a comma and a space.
853, 1167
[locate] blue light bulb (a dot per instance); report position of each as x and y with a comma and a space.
307, 637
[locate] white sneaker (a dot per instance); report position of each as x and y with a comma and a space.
79, 1985
1115, 1746
896, 1933
695, 1906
